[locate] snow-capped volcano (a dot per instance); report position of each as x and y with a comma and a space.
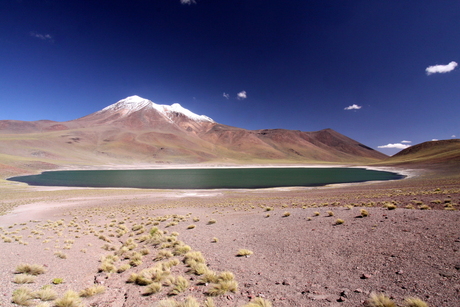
135, 103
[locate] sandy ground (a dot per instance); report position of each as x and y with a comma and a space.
301, 256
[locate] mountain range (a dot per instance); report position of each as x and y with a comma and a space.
136, 130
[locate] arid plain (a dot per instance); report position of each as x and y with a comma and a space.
322, 246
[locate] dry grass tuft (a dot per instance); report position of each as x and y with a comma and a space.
153, 288
31, 269
380, 300
23, 279
258, 302
414, 302
46, 293
22, 296
244, 253
96, 289
390, 206
222, 287
69, 299
180, 284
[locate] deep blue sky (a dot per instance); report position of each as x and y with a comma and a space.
300, 62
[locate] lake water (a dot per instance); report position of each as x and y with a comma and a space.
215, 178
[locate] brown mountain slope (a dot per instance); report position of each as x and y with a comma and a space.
432, 152
135, 130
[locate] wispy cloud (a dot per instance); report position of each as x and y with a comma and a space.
441, 68
44, 37
241, 95
227, 96
353, 107
453, 136
406, 142
395, 145
187, 2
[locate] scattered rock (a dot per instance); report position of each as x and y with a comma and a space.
365, 276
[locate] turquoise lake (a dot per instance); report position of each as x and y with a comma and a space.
215, 178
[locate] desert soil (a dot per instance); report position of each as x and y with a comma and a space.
301, 256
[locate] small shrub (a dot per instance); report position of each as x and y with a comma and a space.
330, 213
214, 240
212, 221
364, 212
339, 222
57, 281
424, 207
191, 226
316, 213
286, 214
244, 253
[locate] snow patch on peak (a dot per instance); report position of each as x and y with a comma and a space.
135, 103
129, 104
175, 107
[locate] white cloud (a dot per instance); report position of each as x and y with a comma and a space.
453, 136
45, 37
395, 145
353, 107
406, 142
226, 95
441, 68
241, 95
434, 140
187, 2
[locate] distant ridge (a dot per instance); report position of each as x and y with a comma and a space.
431, 152
136, 130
